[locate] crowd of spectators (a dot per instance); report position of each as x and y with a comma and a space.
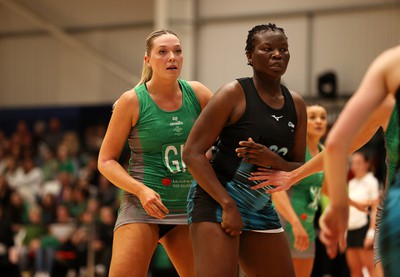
57, 213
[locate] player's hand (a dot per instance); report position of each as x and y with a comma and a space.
232, 222
333, 224
151, 202
275, 180
301, 239
255, 153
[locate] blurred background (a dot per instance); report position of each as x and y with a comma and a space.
64, 63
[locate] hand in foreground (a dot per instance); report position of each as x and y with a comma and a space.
255, 153
277, 180
301, 240
333, 224
151, 202
232, 221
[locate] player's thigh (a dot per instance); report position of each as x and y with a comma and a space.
353, 258
178, 246
265, 254
303, 267
133, 247
215, 252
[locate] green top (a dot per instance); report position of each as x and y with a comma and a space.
156, 144
34, 231
392, 145
305, 197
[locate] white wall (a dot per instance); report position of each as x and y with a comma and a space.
348, 43
37, 69
343, 36
222, 55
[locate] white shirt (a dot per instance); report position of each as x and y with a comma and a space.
28, 184
362, 190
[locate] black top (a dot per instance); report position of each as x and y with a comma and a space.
274, 128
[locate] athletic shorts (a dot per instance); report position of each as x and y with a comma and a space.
258, 213
131, 211
355, 238
309, 253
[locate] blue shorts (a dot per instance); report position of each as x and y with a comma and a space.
255, 206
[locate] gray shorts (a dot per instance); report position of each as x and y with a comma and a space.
131, 211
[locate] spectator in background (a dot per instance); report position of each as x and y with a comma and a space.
67, 198
104, 239
38, 142
11, 170
4, 140
93, 206
89, 171
94, 137
364, 189
61, 231
29, 180
34, 231
5, 192
79, 202
7, 267
17, 211
48, 204
49, 164
61, 187
3, 163
107, 192
65, 162
71, 140
22, 135
83, 235
54, 134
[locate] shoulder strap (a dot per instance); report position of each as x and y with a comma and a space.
289, 102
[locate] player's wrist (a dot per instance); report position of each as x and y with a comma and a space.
370, 233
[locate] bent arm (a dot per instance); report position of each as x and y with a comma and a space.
124, 116
203, 135
284, 180
370, 94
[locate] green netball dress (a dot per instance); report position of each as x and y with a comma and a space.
305, 197
156, 143
389, 235
391, 137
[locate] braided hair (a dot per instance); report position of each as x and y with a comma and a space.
258, 29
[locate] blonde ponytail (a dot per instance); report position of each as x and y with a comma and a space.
147, 73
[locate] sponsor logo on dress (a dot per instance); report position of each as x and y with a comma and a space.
176, 122
276, 117
166, 181
291, 125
